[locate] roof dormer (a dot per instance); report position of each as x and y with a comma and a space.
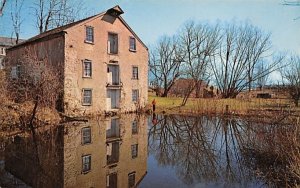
116, 11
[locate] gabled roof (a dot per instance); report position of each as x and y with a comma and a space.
51, 32
61, 29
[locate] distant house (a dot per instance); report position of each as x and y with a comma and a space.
182, 86
5, 43
103, 62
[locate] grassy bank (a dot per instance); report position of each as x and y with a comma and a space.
172, 105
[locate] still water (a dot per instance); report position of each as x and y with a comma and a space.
135, 151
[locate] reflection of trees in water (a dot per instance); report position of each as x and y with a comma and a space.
36, 156
274, 153
201, 148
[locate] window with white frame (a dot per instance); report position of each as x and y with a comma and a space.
87, 68
87, 97
134, 151
132, 44
86, 163
89, 34
86, 135
135, 95
135, 73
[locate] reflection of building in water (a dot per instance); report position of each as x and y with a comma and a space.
100, 153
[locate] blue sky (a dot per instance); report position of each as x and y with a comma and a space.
154, 18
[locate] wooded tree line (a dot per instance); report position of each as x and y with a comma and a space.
235, 57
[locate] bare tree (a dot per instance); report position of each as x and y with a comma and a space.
291, 74
198, 43
54, 13
164, 65
16, 8
234, 66
2, 5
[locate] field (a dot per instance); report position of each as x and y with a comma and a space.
172, 105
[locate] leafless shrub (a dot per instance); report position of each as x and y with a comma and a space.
34, 87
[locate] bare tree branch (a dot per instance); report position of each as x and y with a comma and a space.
16, 8
2, 5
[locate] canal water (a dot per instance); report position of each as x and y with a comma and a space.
136, 151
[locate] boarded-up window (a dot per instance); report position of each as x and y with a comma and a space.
112, 43
113, 129
115, 73
112, 180
112, 152
132, 44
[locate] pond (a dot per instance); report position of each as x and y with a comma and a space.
143, 151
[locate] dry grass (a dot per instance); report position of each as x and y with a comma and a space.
275, 152
218, 106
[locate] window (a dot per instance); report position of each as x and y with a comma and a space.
16, 72
1, 64
132, 44
89, 34
131, 179
86, 135
87, 69
112, 152
135, 73
114, 74
134, 127
134, 151
112, 180
113, 129
112, 43
86, 163
135, 95
87, 97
